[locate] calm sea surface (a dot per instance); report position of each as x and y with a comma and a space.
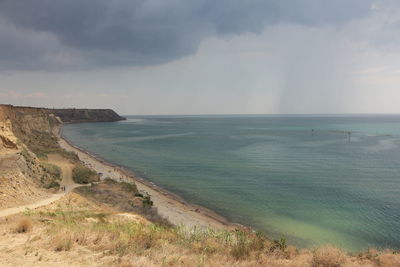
270, 172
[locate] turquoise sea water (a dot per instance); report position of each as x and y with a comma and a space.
270, 172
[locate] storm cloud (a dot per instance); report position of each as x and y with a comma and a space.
69, 34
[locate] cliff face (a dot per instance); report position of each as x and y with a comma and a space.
86, 115
21, 173
33, 126
26, 138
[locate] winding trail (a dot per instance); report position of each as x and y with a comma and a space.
66, 174
66, 171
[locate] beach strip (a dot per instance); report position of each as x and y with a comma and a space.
169, 205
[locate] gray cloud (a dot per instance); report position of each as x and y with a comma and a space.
57, 34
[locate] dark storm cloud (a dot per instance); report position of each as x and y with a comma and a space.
66, 33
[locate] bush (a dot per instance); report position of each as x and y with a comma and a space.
65, 244
147, 202
328, 256
23, 226
53, 170
72, 156
84, 175
52, 184
279, 244
128, 187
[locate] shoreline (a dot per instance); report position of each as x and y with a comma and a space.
168, 204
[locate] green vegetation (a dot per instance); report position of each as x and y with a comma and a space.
279, 244
147, 202
128, 187
52, 169
124, 197
131, 237
27, 156
43, 143
52, 184
83, 175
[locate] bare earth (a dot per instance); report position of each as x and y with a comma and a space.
15, 188
169, 206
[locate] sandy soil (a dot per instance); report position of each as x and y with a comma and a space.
169, 206
15, 188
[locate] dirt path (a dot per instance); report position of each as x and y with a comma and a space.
66, 171
66, 175
43, 202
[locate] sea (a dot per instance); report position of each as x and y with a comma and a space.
314, 180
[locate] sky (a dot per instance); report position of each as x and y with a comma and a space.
202, 56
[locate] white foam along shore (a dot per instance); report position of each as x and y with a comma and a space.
168, 205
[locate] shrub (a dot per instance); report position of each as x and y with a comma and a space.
23, 226
52, 169
52, 184
65, 244
329, 256
84, 175
147, 202
72, 156
131, 188
279, 244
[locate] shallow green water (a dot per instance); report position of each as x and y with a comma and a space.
270, 172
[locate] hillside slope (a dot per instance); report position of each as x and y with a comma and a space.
26, 138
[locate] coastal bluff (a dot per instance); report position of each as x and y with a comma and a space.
64, 115
72, 115
27, 136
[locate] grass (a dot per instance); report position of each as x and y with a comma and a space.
43, 143
124, 197
329, 256
83, 175
63, 244
151, 244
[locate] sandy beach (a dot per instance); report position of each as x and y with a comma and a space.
168, 205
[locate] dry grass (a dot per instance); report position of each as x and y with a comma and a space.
123, 197
24, 226
64, 244
130, 242
329, 256
389, 259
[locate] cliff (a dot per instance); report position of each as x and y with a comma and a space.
26, 138
85, 115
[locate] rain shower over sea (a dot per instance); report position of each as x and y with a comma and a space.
312, 179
